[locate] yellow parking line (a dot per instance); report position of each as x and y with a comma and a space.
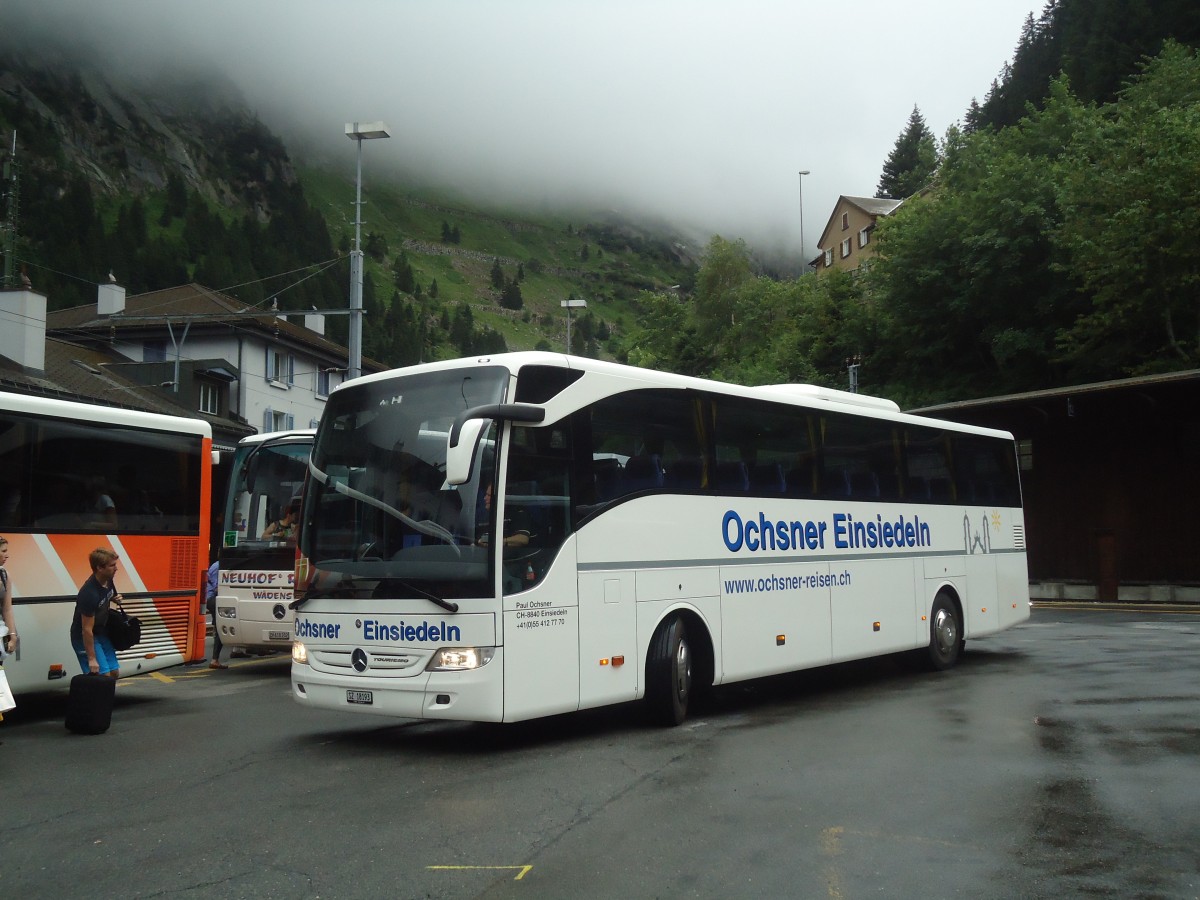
165, 679
522, 871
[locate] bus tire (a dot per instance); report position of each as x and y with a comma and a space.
669, 673
945, 633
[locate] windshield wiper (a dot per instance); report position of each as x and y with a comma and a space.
318, 593
448, 605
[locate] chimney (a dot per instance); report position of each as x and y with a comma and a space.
110, 298
315, 322
23, 329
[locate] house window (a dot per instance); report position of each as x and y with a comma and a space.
845, 248
829, 257
864, 237
322, 382
274, 420
210, 398
845, 221
281, 367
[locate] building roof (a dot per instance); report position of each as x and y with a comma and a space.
200, 305
874, 206
84, 375
1107, 387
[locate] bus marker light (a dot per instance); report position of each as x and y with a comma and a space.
56, 672
780, 640
875, 626
618, 661
442, 699
604, 662
984, 609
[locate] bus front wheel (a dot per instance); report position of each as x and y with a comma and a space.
669, 673
945, 633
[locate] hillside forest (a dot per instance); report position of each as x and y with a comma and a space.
1047, 240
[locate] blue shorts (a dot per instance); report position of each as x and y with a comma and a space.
106, 656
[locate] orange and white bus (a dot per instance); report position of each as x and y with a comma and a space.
74, 477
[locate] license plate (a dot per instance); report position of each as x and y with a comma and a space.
279, 635
364, 697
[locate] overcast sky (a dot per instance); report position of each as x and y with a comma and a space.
700, 112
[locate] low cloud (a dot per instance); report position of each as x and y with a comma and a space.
698, 113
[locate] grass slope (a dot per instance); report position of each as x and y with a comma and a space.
549, 248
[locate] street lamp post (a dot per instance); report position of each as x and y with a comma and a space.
803, 252
569, 305
358, 132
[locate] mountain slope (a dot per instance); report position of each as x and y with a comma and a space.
181, 182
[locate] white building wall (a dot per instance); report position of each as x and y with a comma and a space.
292, 405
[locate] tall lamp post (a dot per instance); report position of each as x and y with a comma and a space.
803, 253
358, 132
569, 305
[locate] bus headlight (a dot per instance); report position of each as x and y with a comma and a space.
299, 653
459, 659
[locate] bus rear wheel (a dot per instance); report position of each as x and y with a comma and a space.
669, 673
945, 634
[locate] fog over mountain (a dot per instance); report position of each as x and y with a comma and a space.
695, 112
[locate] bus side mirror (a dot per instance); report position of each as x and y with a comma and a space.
460, 457
469, 424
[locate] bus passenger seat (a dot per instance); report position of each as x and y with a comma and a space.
643, 473
731, 476
686, 474
606, 474
768, 478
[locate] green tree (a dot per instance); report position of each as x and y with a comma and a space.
726, 266
376, 246
1131, 201
510, 297
912, 163
497, 275
966, 285
402, 273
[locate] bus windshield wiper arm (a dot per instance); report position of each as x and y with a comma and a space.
318, 593
448, 605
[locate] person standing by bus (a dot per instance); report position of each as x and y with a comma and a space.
210, 599
8, 625
96, 595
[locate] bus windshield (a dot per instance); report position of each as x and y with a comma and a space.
266, 478
378, 512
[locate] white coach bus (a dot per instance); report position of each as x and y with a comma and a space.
661, 535
257, 561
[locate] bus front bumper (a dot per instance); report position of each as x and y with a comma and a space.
475, 696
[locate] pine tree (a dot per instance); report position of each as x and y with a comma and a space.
497, 275
912, 163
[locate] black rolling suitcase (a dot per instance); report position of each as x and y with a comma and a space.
90, 704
